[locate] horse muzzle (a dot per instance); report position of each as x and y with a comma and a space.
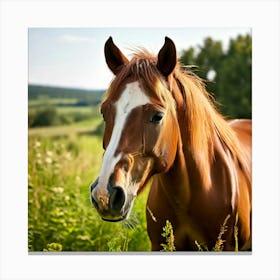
111, 202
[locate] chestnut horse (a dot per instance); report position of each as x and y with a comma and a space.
160, 124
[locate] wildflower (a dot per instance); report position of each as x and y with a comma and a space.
48, 160
37, 144
49, 153
58, 189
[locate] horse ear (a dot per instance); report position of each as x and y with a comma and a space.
114, 57
167, 57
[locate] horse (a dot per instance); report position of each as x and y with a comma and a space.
162, 129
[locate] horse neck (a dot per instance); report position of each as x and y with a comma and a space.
197, 168
174, 184
204, 175
184, 181
198, 165
198, 134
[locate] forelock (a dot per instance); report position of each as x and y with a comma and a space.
143, 68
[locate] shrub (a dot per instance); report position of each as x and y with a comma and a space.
44, 117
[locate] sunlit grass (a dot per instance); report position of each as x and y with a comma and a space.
84, 126
74, 109
50, 101
60, 215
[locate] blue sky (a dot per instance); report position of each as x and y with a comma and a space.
73, 57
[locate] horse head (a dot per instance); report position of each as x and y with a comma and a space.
141, 131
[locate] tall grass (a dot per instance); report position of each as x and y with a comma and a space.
220, 242
60, 215
219, 246
168, 246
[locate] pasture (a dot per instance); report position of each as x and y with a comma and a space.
62, 162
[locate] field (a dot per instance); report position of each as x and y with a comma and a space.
62, 162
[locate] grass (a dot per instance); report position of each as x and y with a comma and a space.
50, 101
60, 215
219, 245
168, 246
62, 162
74, 109
85, 126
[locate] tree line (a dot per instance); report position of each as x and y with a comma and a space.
228, 73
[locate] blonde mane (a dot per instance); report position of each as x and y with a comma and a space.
205, 125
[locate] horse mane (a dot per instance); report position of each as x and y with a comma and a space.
204, 126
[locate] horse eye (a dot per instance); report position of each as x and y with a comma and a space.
156, 118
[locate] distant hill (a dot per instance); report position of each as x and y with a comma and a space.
83, 97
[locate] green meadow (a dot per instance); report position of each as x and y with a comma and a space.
63, 160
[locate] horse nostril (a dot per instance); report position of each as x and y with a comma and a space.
117, 198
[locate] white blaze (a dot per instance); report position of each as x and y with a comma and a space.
131, 98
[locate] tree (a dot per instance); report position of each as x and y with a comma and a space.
188, 56
234, 82
231, 84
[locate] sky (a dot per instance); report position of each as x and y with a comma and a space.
74, 57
